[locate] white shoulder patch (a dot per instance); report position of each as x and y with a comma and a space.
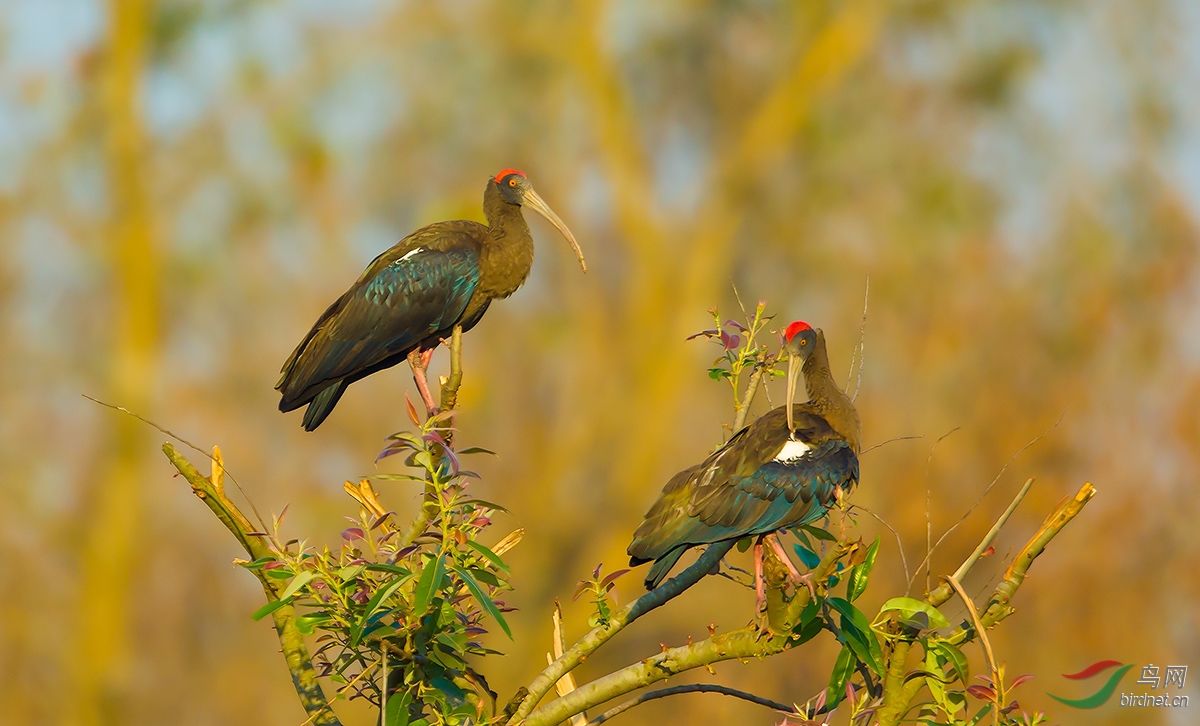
792, 450
408, 254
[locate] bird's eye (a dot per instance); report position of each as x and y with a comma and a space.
512, 182
804, 342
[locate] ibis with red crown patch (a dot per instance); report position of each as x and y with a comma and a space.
413, 295
783, 471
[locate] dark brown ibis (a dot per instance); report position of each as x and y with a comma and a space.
413, 295
784, 470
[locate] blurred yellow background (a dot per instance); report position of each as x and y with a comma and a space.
185, 185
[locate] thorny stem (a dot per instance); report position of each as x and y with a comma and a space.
623, 617
211, 492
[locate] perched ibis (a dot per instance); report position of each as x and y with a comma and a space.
782, 471
413, 295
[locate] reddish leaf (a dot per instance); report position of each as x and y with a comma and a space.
983, 693
613, 576
353, 533
735, 324
412, 411
583, 584
705, 333
1021, 679
989, 551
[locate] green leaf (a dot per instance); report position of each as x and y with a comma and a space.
489, 606
431, 580
955, 657
306, 624
474, 450
269, 608
491, 556
744, 543
808, 557
484, 576
398, 477
350, 572
393, 569
257, 564
859, 635
294, 586
381, 595
483, 504
907, 606
423, 460
842, 670
397, 709
819, 533
857, 584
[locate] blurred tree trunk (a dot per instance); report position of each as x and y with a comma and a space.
114, 511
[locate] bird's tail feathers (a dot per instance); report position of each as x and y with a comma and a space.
321, 405
660, 569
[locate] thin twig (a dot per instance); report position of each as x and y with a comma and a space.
261, 522
1003, 469
899, 544
928, 515
862, 341
965, 567
898, 438
691, 688
997, 683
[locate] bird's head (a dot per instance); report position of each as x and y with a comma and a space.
799, 341
515, 189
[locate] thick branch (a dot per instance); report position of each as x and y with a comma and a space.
689, 688
304, 678
749, 642
998, 607
600, 634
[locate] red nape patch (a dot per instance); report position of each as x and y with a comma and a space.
506, 172
794, 328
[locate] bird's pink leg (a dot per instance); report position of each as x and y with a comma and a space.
797, 578
419, 362
760, 587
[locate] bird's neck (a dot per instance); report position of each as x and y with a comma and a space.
828, 399
507, 252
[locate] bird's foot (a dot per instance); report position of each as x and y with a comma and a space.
419, 362
793, 574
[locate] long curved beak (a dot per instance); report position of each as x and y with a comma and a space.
793, 373
537, 204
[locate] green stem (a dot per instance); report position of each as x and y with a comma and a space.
304, 677
749, 642
623, 617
